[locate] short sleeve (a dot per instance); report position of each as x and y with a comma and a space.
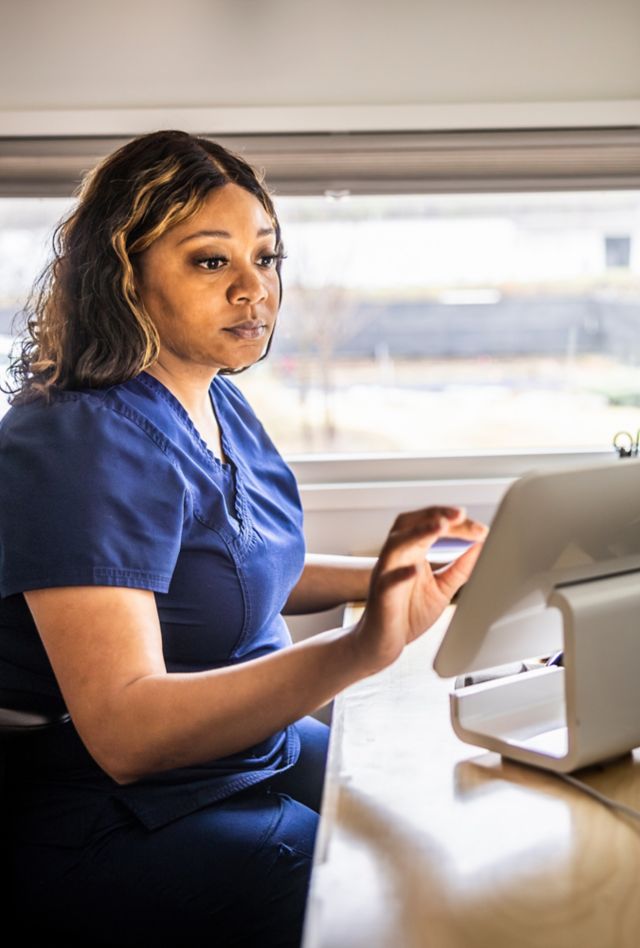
88, 496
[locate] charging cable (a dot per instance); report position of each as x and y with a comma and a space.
612, 804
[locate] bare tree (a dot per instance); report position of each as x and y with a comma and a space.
320, 319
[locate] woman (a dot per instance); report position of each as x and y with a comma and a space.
151, 539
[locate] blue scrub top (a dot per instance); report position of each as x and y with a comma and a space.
115, 487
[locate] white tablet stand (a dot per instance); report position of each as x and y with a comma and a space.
587, 603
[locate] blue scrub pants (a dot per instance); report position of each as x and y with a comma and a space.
232, 875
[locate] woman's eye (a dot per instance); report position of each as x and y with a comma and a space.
269, 260
211, 263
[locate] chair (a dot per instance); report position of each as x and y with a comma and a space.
21, 716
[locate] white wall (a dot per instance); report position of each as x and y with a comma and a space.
79, 55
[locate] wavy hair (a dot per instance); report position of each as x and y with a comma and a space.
85, 325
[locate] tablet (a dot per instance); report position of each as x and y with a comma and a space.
551, 529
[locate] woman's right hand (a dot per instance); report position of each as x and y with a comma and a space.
406, 596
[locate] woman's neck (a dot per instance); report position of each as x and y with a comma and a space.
190, 385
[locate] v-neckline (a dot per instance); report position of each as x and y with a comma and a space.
226, 463
229, 470
222, 439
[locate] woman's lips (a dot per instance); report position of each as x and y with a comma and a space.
248, 331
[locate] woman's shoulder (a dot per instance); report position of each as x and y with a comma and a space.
85, 498
236, 413
118, 414
59, 409
227, 390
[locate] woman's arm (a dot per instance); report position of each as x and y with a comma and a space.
329, 581
105, 647
135, 718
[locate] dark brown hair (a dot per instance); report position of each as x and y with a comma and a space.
86, 326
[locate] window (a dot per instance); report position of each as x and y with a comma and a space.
448, 323
26, 227
444, 293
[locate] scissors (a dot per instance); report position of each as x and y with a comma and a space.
625, 444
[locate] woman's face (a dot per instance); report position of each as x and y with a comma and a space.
210, 284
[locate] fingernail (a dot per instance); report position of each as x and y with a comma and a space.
454, 513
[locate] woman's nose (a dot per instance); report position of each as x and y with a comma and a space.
247, 286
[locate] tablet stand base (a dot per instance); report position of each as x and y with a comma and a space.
566, 718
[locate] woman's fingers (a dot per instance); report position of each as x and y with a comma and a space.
406, 597
469, 530
414, 533
429, 522
453, 515
410, 545
452, 577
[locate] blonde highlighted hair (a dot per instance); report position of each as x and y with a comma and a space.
86, 326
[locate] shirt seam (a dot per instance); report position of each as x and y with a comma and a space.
130, 414
107, 575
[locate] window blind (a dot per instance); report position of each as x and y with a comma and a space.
369, 163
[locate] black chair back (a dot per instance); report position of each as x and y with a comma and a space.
21, 715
